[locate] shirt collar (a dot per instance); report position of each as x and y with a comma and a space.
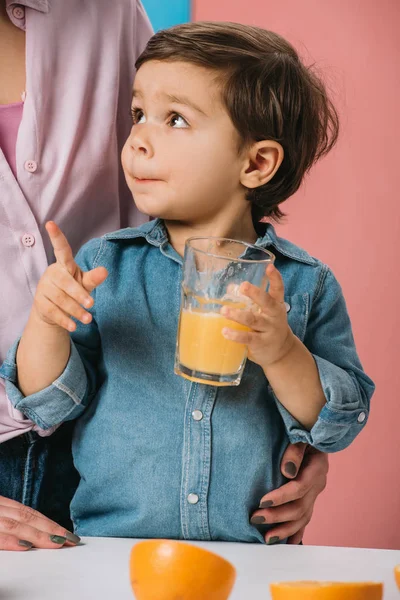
155, 233
282, 246
40, 5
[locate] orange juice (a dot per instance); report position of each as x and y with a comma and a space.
203, 348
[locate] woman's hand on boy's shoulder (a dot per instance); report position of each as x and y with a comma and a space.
22, 528
291, 506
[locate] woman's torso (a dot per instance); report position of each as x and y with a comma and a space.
79, 72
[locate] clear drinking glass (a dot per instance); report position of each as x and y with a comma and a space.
213, 269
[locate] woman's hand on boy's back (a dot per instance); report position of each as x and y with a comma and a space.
290, 507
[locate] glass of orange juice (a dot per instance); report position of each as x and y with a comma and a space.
213, 269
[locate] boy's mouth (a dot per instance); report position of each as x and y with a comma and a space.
140, 180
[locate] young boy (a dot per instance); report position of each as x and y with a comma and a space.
226, 122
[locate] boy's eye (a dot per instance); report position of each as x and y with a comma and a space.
178, 121
137, 115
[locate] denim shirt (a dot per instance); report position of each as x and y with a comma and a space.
150, 465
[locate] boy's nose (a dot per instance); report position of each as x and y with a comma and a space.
140, 143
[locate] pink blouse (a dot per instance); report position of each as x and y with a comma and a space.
10, 118
80, 66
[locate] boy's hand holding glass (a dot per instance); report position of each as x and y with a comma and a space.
213, 271
65, 289
270, 338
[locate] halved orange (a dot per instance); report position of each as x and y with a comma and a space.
397, 575
168, 569
326, 590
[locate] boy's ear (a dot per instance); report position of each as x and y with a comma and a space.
261, 162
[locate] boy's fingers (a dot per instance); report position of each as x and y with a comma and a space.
276, 286
270, 301
255, 321
92, 279
65, 282
241, 337
292, 459
61, 247
68, 304
259, 296
53, 314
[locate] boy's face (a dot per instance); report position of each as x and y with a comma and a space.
181, 160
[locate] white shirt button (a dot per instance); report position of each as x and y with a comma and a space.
18, 12
193, 498
28, 240
197, 415
361, 417
30, 166
287, 306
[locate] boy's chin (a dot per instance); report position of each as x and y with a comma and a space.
145, 208
153, 212
143, 211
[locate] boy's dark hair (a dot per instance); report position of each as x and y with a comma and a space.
268, 92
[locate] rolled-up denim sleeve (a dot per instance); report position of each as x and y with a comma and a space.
63, 400
347, 389
67, 397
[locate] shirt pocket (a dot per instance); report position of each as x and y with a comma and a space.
297, 308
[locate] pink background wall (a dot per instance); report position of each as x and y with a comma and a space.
347, 214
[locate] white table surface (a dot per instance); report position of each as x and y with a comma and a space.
98, 569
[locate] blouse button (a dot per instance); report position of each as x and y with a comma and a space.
30, 166
18, 12
28, 240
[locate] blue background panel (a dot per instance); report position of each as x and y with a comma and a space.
165, 13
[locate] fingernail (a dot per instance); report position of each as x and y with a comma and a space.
71, 537
25, 543
57, 539
273, 540
290, 468
257, 520
266, 504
